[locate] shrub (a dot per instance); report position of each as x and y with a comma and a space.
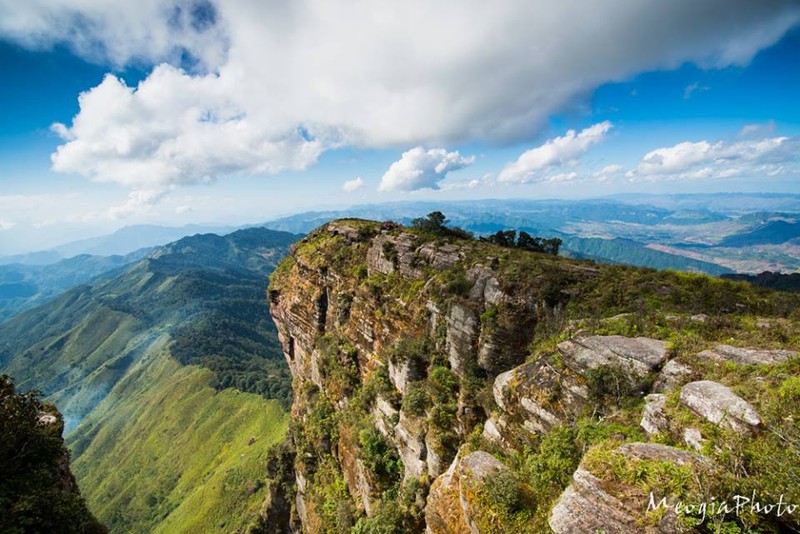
608, 385
416, 399
458, 286
504, 491
378, 455
443, 383
387, 519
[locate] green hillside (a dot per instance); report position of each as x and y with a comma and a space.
165, 452
206, 292
164, 373
629, 252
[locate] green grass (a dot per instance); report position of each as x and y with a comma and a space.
165, 452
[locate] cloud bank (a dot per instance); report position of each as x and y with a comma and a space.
268, 86
173, 129
119, 32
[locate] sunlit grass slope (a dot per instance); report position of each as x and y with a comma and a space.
165, 452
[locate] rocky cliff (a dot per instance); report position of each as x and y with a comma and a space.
450, 385
37, 490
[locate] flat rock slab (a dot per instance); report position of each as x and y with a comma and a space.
641, 355
718, 404
727, 353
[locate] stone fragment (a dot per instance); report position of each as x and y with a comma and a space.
672, 375
718, 404
653, 418
693, 438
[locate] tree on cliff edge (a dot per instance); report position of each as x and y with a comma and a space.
435, 223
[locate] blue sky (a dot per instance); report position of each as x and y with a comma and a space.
195, 111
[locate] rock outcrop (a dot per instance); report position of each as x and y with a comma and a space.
394, 300
587, 505
452, 503
540, 396
433, 367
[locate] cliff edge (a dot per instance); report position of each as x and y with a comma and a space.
449, 385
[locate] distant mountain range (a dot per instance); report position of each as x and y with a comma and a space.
725, 203
711, 233
25, 286
122, 242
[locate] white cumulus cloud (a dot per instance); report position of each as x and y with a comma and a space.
422, 169
6, 225
173, 129
353, 185
769, 156
268, 86
556, 152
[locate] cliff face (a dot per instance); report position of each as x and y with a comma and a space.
37, 490
456, 386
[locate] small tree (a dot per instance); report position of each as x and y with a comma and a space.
434, 222
527, 242
551, 246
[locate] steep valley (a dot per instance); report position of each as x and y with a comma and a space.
171, 382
